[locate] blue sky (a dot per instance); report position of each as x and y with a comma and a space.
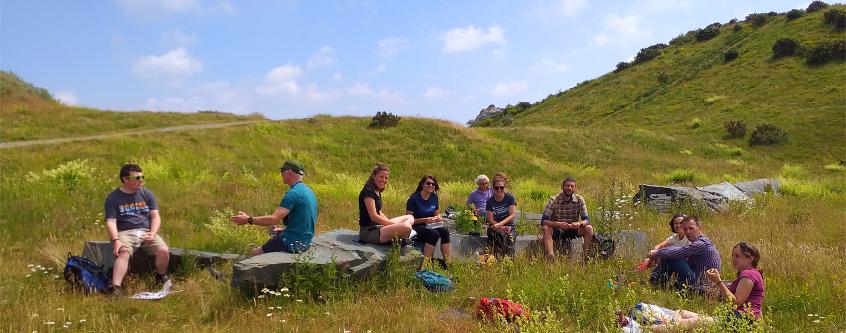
294, 59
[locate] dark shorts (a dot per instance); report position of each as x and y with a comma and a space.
277, 244
370, 234
558, 234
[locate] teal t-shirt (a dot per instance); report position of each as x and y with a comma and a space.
302, 215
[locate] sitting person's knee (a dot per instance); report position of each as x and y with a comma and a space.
163, 251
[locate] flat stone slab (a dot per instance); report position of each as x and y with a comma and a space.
102, 253
716, 196
340, 247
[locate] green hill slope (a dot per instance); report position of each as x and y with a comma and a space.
690, 82
30, 113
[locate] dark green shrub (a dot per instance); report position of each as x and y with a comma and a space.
735, 128
663, 78
730, 55
816, 5
736, 28
835, 17
785, 47
708, 33
827, 51
683, 38
384, 119
648, 53
622, 65
767, 134
757, 19
795, 14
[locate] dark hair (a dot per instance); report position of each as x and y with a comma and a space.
379, 167
423, 180
750, 250
568, 179
673, 225
691, 218
127, 168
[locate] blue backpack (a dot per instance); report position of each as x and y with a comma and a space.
81, 272
433, 281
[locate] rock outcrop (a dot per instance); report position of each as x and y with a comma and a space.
102, 253
488, 112
716, 197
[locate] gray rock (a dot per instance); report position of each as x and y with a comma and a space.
339, 247
488, 112
726, 190
663, 198
101, 252
753, 187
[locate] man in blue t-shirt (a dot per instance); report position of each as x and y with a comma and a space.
133, 221
297, 211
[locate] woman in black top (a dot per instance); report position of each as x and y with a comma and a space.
502, 211
374, 226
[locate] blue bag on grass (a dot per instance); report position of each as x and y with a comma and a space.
81, 272
433, 281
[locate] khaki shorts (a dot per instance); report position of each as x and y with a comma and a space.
131, 240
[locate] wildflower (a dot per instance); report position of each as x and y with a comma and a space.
282, 321
270, 314
34, 315
299, 300
327, 313
30, 265
283, 289
260, 296
49, 322
270, 307
82, 320
816, 321
60, 309
287, 295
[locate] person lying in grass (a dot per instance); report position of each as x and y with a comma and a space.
746, 292
660, 319
297, 211
423, 205
374, 226
688, 262
502, 211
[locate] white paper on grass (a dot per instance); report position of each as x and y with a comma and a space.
155, 295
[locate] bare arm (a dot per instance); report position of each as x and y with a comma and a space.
272, 219
155, 222
377, 217
512, 212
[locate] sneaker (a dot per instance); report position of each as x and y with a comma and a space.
412, 234
114, 291
442, 263
161, 278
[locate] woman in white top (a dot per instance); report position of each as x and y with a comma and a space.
678, 238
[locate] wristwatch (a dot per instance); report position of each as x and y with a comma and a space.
250, 220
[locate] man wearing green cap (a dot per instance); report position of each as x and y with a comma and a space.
297, 211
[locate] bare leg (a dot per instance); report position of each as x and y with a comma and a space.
587, 234
446, 251
428, 250
162, 259
120, 267
400, 229
547, 242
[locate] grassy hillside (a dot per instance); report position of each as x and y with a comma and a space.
690, 82
30, 113
51, 200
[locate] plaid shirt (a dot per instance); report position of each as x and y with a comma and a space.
700, 254
561, 208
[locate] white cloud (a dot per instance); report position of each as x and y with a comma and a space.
324, 57
281, 80
436, 93
389, 47
66, 97
547, 65
620, 29
381, 68
177, 37
154, 9
549, 11
503, 89
314, 94
212, 95
174, 63
337, 76
471, 38
360, 89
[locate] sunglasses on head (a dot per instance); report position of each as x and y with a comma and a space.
135, 177
499, 187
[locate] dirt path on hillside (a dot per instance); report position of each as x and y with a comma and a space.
114, 135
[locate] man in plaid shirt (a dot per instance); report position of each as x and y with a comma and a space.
690, 261
566, 217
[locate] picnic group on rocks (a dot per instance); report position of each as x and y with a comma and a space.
687, 259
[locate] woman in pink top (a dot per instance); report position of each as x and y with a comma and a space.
747, 290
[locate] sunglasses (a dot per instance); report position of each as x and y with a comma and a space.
430, 184
135, 177
499, 188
